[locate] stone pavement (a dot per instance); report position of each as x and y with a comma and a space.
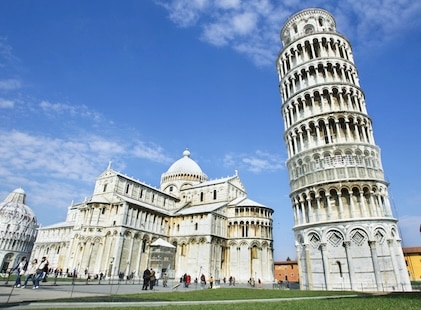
28, 298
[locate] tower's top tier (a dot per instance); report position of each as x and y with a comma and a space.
306, 22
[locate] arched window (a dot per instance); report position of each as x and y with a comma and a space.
308, 29
320, 21
254, 252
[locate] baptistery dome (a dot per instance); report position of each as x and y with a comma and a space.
13, 210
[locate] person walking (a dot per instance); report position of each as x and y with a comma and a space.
41, 271
211, 281
20, 269
31, 273
152, 279
146, 279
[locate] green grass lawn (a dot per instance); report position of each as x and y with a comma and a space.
249, 297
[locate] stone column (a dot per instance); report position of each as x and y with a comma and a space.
138, 256
117, 253
308, 267
351, 273
303, 211
375, 262
341, 207
329, 207
325, 260
390, 244
303, 272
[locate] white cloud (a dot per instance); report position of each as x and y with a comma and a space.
6, 104
260, 55
151, 152
75, 158
184, 12
244, 23
6, 52
217, 34
227, 4
257, 162
58, 109
253, 26
10, 84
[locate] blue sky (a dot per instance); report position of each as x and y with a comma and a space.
136, 82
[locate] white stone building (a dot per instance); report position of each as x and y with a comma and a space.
18, 229
346, 235
215, 228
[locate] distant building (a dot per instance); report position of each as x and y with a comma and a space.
18, 229
286, 271
413, 262
211, 227
345, 232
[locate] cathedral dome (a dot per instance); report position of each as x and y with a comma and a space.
14, 209
185, 165
183, 173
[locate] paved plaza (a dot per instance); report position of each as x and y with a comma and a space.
28, 298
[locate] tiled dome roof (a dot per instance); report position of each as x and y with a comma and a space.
185, 165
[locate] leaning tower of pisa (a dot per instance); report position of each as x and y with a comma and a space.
346, 236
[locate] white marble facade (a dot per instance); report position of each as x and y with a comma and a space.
215, 228
18, 230
346, 235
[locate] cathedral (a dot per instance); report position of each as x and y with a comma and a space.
190, 225
345, 232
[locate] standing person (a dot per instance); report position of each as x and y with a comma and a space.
152, 279
188, 280
203, 280
157, 276
20, 269
165, 280
31, 273
211, 281
146, 279
41, 271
